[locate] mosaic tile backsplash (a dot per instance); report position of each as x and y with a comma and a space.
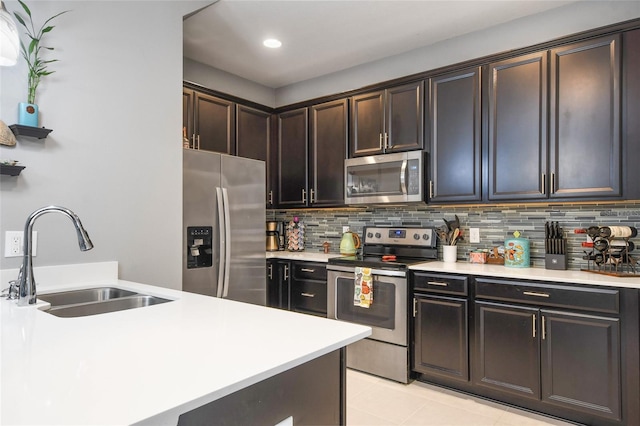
496, 223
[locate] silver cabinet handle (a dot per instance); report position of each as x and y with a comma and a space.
381, 146
544, 181
286, 272
438, 283
533, 324
386, 140
270, 271
308, 294
304, 195
544, 329
271, 197
198, 142
312, 196
415, 310
552, 189
535, 293
430, 189
193, 141
307, 270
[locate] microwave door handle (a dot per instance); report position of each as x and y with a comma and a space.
403, 177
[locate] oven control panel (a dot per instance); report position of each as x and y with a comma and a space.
423, 237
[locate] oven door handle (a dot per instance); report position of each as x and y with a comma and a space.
380, 272
403, 177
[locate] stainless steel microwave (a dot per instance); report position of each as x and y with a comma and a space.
386, 178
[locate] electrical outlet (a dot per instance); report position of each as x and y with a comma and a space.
474, 235
345, 229
14, 243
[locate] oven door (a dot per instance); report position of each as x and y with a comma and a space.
387, 315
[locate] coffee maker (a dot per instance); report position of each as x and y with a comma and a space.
273, 236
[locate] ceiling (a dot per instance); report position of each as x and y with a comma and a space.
322, 37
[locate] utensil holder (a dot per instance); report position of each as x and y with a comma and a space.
555, 261
449, 254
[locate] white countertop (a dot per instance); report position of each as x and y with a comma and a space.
539, 274
147, 365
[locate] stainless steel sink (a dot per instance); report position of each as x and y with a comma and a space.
93, 301
85, 295
113, 305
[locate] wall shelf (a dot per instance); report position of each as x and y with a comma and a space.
34, 132
6, 169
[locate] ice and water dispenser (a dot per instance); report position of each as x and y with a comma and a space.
199, 247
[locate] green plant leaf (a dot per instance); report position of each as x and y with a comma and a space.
46, 30
24, 6
33, 45
19, 18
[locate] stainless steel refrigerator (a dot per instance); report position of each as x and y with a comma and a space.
224, 226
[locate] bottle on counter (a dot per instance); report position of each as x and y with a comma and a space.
618, 232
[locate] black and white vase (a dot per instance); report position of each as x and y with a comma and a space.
28, 114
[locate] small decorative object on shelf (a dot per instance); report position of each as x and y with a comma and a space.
6, 135
34, 132
38, 66
611, 254
516, 251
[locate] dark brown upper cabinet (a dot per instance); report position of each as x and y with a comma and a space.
293, 167
328, 150
455, 137
390, 120
585, 149
517, 118
213, 125
253, 140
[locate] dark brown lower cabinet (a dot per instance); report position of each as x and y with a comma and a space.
313, 393
566, 359
297, 286
441, 337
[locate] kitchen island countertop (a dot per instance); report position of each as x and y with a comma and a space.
147, 365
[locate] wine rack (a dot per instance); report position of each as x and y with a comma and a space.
611, 254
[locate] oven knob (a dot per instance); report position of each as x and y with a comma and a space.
378, 235
369, 235
425, 237
416, 236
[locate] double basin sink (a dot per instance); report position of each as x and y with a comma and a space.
93, 301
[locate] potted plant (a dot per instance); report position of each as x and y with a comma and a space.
38, 67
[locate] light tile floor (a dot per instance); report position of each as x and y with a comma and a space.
376, 401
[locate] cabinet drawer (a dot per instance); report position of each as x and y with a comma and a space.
441, 283
309, 271
309, 296
582, 298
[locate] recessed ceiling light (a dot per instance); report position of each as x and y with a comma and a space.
272, 43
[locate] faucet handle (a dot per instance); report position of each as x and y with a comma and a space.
13, 290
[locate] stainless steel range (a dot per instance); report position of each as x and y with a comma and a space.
387, 253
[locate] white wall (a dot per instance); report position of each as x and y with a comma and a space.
114, 156
555, 23
213, 78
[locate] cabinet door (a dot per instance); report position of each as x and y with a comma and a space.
253, 132
292, 158
581, 363
278, 279
441, 337
508, 349
455, 150
214, 124
187, 113
518, 128
367, 124
585, 145
404, 126
328, 150
631, 102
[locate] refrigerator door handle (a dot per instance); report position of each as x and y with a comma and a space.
221, 241
227, 233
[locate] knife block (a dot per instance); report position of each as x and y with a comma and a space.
555, 261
